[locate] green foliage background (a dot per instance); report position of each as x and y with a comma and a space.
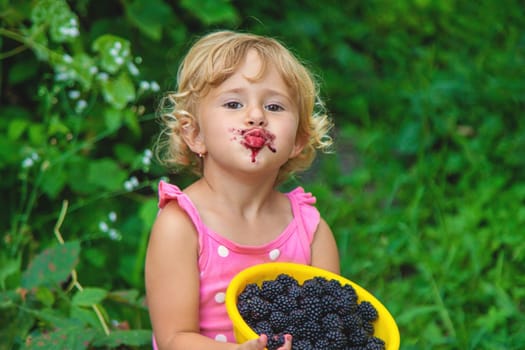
426, 192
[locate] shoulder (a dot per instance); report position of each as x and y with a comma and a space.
173, 232
325, 253
301, 196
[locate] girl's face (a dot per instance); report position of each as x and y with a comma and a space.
249, 122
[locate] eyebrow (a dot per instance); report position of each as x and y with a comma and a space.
267, 91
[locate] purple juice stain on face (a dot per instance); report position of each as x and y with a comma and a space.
255, 139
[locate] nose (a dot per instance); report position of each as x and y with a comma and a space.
256, 117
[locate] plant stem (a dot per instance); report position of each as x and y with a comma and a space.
75, 283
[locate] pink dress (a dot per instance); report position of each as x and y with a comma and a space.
220, 259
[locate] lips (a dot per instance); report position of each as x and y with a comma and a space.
255, 138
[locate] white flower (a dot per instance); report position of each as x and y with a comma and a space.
67, 58
62, 76
93, 69
131, 184
81, 105
119, 60
74, 94
148, 153
103, 76
144, 85
114, 235
27, 163
103, 226
154, 86
112, 216
146, 160
133, 69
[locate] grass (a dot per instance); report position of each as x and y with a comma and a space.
438, 244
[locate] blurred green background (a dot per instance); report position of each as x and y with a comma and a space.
425, 192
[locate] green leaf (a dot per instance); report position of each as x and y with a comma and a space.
9, 298
85, 315
106, 174
55, 318
124, 296
134, 338
212, 11
150, 17
16, 128
114, 118
21, 71
76, 338
58, 17
118, 91
89, 296
45, 296
113, 52
52, 266
53, 180
9, 266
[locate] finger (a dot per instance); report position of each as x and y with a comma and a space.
261, 342
287, 342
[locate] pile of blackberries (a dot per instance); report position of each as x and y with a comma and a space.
320, 314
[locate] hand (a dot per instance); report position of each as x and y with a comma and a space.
260, 343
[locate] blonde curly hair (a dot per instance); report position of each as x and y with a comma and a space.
212, 60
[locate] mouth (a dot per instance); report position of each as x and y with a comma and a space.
256, 139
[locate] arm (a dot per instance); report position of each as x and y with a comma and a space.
172, 286
324, 249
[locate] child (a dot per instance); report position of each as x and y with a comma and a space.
243, 119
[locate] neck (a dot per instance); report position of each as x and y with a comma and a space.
244, 194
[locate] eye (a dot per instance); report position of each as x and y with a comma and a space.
233, 105
274, 107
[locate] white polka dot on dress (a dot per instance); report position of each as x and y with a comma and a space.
220, 297
221, 338
274, 254
223, 251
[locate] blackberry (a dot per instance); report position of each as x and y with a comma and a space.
275, 341
331, 322
351, 322
259, 308
329, 303
312, 306
320, 314
368, 328
311, 288
310, 330
322, 343
294, 292
297, 316
367, 311
345, 306
278, 320
263, 327
303, 344
284, 303
251, 290
336, 339
271, 289
286, 281
358, 337
375, 343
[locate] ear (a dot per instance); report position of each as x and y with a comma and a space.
300, 144
190, 133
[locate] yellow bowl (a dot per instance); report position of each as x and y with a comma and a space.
385, 326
